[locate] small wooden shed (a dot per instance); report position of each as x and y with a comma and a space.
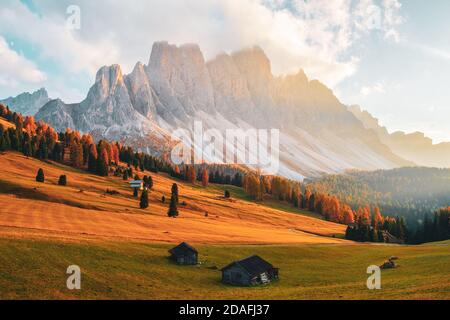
184, 254
137, 184
250, 271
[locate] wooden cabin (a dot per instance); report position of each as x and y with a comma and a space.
137, 184
184, 254
250, 271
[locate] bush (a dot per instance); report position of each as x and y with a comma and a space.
227, 194
163, 199
40, 176
62, 180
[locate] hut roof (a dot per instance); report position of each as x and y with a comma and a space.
182, 248
254, 265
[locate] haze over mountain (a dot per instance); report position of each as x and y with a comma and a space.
27, 103
318, 134
413, 146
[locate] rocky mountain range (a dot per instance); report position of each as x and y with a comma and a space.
413, 146
27, 103
318, 134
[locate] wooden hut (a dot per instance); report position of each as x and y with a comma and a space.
184, 254
137, 184
249, 272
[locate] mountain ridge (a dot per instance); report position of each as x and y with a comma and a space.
27, 103
414, 146
232, 91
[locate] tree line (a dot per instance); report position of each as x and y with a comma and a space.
364, 224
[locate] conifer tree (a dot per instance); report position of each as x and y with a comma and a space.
144, 199
102, 164
43, 151
205, 177
173, 207
191, 175
92, 158
175, 192
62, 180
76, 154
40, 175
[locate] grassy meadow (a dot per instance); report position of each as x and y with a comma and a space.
35, 269
122, 249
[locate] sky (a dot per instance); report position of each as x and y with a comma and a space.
391, 57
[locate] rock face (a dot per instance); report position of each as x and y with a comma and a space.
413, 146
181, 80
58, 114
27, 103
177, 87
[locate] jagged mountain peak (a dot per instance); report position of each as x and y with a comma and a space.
253, 61
180, 78
164, 53
27, 103
110, 76
139, 74
231, 91
42, 92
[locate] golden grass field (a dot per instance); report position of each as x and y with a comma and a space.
82, 209
122, 250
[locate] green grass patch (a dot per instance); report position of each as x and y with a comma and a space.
37, 270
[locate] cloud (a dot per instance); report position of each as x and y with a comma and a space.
16, 69
392, 19
314, 35
376, 88
49, 33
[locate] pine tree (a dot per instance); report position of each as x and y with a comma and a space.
205, 177
191, 175
62, 180
43, 151
150, 182
92, 158
227, 194
125, 175
40, 175
175, 192
102, 164
76, 154
27, 152
144, 199
173, 207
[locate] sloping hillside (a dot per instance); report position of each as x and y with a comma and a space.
84, 210
6, 124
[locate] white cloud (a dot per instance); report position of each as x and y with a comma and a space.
16, 69
48, 31
392, 19
376, 88
313, 35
